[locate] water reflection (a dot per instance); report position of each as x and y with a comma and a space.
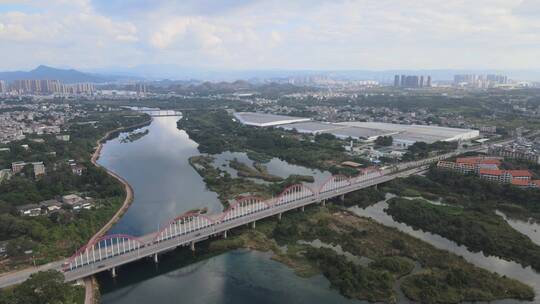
529, 228
157, 168
275, 167
238, 277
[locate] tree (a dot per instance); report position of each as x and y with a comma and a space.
44, 287
384, 141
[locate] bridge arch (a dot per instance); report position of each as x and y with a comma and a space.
244, 206
183, 224
103, 248
293, 193
334, 182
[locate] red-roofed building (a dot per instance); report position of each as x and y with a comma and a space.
505, 176
476, 160
466, 165
520, 182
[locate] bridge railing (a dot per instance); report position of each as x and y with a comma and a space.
101, 249
114, 245
183, 224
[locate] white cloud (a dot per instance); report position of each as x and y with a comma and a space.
344, 34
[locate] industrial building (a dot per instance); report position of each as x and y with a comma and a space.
403, 135
266, 120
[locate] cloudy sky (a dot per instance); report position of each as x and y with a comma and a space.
259, 34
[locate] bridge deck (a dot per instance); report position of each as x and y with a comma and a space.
116, 250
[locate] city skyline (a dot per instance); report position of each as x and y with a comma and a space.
326, 35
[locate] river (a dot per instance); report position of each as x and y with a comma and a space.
165, 185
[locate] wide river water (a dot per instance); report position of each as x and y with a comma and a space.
165, 185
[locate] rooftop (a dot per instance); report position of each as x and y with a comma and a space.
266, 120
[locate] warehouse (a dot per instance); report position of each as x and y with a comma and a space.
414, 133
403, 135
266, 120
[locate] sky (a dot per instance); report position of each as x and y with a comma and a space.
273, 34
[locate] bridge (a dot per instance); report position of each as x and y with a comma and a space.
187, 229
161, 113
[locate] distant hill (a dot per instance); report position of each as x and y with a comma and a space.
63, 75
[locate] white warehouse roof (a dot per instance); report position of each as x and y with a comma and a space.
266, 120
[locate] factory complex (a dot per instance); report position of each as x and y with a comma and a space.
403, 135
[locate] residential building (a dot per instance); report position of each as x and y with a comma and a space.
77, 169
71, 199
29, 210
506, 176
17, 167
488, 129
39, 169
50, 206
515, 151
64, 137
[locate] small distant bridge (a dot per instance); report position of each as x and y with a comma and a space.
162, 113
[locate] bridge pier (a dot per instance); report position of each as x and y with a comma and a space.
323, 203
302, 208
192, 246
375, 187
253, 225
113, 272
225, 234
155, 258
342, 197
279, 216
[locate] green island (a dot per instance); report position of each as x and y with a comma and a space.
229, 188
48, 237
469, 216
134, 136
258, 171
479, 230
443, 278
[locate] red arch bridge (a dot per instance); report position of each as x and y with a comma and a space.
111, 251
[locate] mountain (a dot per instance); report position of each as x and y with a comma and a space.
63, 75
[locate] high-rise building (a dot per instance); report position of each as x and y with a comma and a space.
3, 88
412, 81
479, 81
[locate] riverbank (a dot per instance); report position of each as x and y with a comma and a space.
91, 284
